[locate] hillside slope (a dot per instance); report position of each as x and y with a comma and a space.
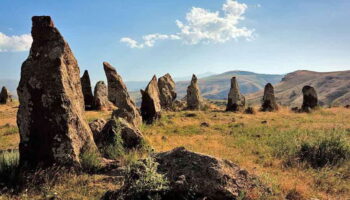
217, 86
333, 88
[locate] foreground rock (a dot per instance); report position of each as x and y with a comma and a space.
194, 99
236, 101
101, 101
119, 96
195, 176
130, 135
97, 125
309, 99
167, 92
50, 116
150, 105
5, 96
269, 100
87, 91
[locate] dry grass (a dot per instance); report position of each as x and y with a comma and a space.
261, 148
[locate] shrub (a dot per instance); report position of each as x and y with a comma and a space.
330, 151
90, 161
115, 149
9, 168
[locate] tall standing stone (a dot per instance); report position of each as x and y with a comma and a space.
5, 96
309, 98
101, 101
50, 116
87, 91
269, 100
167, 92
194, 99
119, 96
150, 105
236, 101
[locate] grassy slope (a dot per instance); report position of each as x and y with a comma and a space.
243, 139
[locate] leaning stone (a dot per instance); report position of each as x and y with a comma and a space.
150, 105
87, 91
51, 104
236, 101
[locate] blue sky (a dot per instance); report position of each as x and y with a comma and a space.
274, 36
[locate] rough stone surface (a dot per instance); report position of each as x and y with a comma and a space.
310, 98
50, 116
131, 136
167, 92
101, 101
5, 96
269, 100
207, 177
96, 126
150, 105
236, 101
193, 97
119, 96
87, 91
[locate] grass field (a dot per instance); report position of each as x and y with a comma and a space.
266, 144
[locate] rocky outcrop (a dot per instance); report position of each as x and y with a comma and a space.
5, 96
150, 105
130, 135
101, 101
167, 92
51, 105
269, 100
119, 96
193, 97
191, 175
309, 98
87, 91
236, 101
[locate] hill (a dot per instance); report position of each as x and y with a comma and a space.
333, 88
217, 86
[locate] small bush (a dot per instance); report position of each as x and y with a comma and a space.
90, 161
115, 149
330, 151
9, 169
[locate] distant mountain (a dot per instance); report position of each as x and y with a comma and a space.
333, 88
217, 86
10, 84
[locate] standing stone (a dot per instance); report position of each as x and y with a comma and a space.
310, 98
194, 99
5, 96
269, 100
50, 116
119, 96
101, 101
87, 91
167, 92
236, 101
150, 105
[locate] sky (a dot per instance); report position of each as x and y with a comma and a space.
145, 37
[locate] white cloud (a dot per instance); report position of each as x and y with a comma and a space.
203, 26
15, 43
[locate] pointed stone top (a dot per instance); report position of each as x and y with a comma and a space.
86, 73
194, 78
108, 66
42, 22
154, 78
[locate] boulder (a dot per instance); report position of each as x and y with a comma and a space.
119, 96
236, 101
167, 92
97, 125
193, 97
150, 105
87, 91
269, 100
309, 98
101, 101
50, 117
5, 96
130, 135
